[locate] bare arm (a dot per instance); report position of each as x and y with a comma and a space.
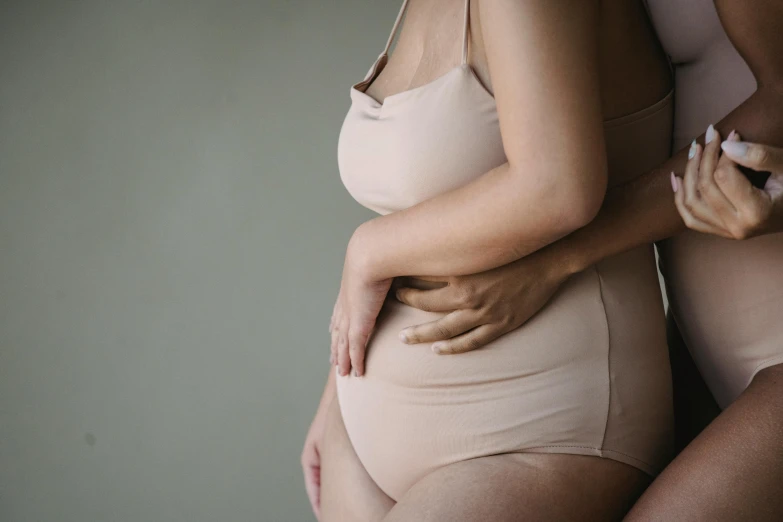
481, 307
542, 56
543, 59
643, 211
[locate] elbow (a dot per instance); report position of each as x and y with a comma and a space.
578, 202
588, 205
571, 194
577, 214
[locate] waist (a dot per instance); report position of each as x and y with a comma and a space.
570, 330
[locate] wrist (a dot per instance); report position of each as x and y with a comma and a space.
563, 259
363, 256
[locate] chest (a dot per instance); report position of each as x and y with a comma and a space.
688, 29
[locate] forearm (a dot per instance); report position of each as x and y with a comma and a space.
543, 60
643, 210
498, 218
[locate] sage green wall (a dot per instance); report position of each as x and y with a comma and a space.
172, 226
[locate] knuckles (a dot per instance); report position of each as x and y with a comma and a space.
758, 155
466, 296
687, 219
750, 221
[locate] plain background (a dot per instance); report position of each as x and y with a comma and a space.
172, 229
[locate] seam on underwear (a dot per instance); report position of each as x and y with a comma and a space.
642, 114
763, 365
590, 448
608, 355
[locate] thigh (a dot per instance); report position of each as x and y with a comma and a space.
348, 493
694, 406
733, 470
523, 486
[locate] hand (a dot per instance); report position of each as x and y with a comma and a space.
356, 310
311, 459
482, 307
715, 197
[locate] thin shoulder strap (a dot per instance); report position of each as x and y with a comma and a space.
466, 33
394, 29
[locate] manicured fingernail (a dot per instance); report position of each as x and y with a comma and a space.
403, 337
736, 136
437, 347
710, 134
731, 135
692, 151
734, 148
674, 182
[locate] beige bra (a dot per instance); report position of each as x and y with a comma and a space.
439, 136
418, 143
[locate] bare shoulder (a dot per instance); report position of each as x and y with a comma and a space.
633, 69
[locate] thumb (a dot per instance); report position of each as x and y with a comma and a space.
754, 156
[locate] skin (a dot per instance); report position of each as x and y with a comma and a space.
507, 487
518, 54
496, 218
715, 197
311, 454
640, 212
499, 217
733, 469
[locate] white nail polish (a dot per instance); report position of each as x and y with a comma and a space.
710, 134
692, 151
736, 149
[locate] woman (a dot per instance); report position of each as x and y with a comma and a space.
725, 295
474, 166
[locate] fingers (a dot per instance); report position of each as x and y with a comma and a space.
472, 340
687, 218
333, 329
699, 201
335, 333
754, 155
444, 299
709, 159
752, 205
357, 343
725, 160
448, 326
703, 199
707, 188
691, 175
312, 478
348, 349
343, 357
723, 202
711, 204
